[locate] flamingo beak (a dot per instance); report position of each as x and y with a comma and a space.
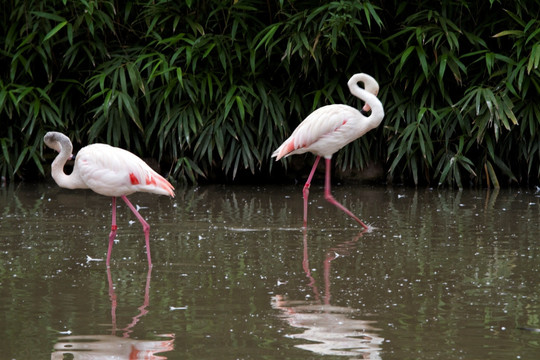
366, 108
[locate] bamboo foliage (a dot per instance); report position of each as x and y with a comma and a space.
458, 74
212, 88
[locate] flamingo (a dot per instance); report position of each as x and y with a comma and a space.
108, 171
331, 127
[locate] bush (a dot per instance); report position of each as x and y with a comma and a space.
213, 87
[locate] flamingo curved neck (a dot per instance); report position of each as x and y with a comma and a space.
71, 181
367, 94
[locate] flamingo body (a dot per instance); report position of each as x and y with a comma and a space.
325, 131
108, 171
331, 127
112, 171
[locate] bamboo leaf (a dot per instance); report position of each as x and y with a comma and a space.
505, 168
423, 60
405, 55
508, 32
442, 66
54, 30
20, 159
49, 16
241, 108
268, 35
5, 150
492, 175
37, 162
534, 58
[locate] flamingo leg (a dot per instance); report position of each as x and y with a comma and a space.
112, 234
112, 296
328, 196
146, 228
305, 265
306, 188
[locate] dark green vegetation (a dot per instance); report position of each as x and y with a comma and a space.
212, 87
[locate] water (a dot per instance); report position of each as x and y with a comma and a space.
445, 274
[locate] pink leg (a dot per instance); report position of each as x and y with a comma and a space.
112, 296
306, 188
331, 199
146, 228
142, 309
305, 265
112, 234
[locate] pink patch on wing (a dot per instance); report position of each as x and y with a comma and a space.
343, 123
290, 147
150, 180
133, 179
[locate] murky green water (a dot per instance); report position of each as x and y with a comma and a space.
446, 275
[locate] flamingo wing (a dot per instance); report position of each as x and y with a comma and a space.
112, 171
323, 132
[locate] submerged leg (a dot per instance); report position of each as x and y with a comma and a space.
114, 303
306, 188
330, 198
112, 234
307, 270
146, 228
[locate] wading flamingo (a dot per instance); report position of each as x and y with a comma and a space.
108, 171
331, 127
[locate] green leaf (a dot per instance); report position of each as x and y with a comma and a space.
534, 58
5, 150
20, 159
55, 30
423, 60
508, 32
405, 55
49, 16
241, 108
492, 175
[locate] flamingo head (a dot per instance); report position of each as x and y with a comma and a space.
366, 109
371, 86
57, 141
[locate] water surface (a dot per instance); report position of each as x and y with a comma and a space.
444, 274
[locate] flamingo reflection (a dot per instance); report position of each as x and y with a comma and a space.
97, 347
333, 330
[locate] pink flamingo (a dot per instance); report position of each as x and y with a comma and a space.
108, 171
331, 127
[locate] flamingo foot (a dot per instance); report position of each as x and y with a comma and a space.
328, 195
331, 199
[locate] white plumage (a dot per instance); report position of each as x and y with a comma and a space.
108, 171
331, 127
112, 171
